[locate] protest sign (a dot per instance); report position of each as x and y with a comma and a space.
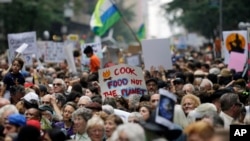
134, 60
165, 109
122, 114
41, 49
234, 41
122, 80
68, 49
234, 60
156, 52
15, 40
54, 52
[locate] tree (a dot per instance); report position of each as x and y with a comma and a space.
202, 16
33, 15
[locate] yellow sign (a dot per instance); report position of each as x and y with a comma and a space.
235, 42
73, 37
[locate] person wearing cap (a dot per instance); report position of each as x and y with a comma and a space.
31, 100
13, 123
47, 116
12, 78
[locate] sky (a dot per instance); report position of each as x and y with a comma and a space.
158, 26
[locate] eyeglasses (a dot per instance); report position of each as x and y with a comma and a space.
57, 84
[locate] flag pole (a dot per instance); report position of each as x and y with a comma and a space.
126, 23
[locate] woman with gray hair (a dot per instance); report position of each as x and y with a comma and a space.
80, 118
135, 117
129, 132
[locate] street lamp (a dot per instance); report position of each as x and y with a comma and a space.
243, 25
46, 35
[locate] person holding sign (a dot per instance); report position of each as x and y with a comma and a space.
13, 78
94, 63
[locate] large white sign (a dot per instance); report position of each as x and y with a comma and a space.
122, 80
156, 52
54, 52
17, 39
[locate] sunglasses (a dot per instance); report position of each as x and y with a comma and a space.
57, 84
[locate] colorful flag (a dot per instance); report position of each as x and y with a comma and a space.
141, 32
104, 17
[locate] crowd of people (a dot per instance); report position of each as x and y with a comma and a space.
50, 103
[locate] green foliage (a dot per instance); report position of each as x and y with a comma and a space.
121, 30
34, 15
202, 16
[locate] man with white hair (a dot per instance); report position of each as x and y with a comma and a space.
206, 84
83, 101
59, 86
188, 88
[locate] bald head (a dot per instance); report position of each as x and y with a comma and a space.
4, 102
46, 99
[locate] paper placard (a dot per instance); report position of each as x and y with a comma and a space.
122, 80
22, 48
237, 61
165, 109
156, 52
134, 60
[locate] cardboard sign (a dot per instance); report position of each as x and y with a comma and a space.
234, 41
122, 80
54, 52
22, 48
165, 109
134, 60
156, 52
17, 39
235, 61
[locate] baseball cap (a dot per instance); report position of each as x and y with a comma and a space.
34, 123
46, 108
16, 119
31, 96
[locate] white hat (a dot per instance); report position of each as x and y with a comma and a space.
31, 96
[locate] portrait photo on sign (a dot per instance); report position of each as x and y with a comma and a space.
165, 109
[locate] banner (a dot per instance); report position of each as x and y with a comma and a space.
122, 80
54, 52
15, 40
235, 41
156, 52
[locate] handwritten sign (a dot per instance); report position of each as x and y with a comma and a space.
15, 40
161, 47
234, 60
134, 60
54, 52
122, 80
234, 41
